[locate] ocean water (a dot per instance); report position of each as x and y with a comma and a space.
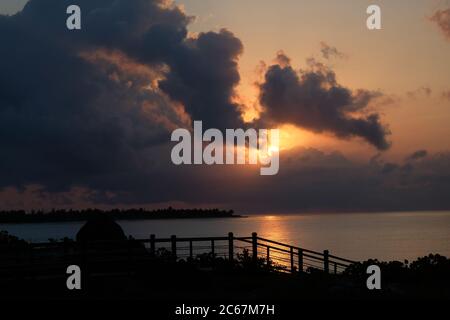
358, 236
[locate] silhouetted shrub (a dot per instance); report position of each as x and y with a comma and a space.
6, 238
100, 228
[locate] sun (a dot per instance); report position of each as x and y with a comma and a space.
273, 149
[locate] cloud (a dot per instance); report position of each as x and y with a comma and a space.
309, 180
282, 59
313, 180
419, 92
330, 182
386, 100
329, 52
389, 168
446, 95
205, 74
442, 19
314, 100
86, 107
202, 72
419, 154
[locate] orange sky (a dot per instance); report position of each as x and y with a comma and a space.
407, 54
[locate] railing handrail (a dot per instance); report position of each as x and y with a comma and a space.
187, 239
255, 241
304, 250
290, 246
318, 256
342, 259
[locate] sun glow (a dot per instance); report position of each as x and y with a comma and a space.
273, 149
290, 135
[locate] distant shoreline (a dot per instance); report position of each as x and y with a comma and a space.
21, 217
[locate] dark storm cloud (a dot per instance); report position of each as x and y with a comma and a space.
309, 180
419, 154
69, 118
313, 181
203, 71
442, 19
313, 99
389, 168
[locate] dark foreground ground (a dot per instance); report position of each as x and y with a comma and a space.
158, 288
202, 279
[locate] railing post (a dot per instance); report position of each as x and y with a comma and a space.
84, 265
292, 260
130, 254
255, 247
300, 260
84, 252
31, 261
326, 265
174, 246
152, 245
268, 257
66, 249
130, 245
335, 268
230, 246
191, 251
213, 253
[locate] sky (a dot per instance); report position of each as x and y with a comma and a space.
87, 115
406, 55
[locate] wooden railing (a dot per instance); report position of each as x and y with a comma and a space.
298, 259
262, 252
278, 256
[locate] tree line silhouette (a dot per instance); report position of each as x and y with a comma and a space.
22, 216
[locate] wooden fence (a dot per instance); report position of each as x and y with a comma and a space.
279, 256
263, 252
